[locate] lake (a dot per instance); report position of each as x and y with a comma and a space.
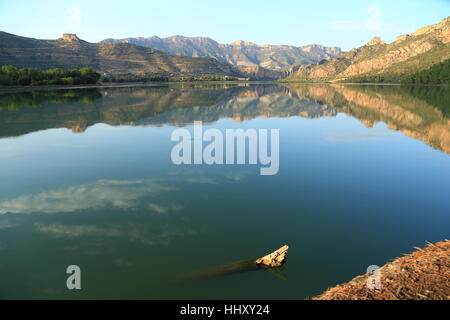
87, 179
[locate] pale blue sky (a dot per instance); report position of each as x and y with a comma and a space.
333, 23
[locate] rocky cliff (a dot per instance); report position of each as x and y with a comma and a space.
260, 73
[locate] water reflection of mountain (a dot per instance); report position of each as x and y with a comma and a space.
246, 105
22, 113
401, 111
177, 104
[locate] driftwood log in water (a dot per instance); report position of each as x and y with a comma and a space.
275, 259
272, 260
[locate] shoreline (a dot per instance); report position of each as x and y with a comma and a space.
420, 275
6, 89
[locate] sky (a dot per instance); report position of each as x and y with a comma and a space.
345, 23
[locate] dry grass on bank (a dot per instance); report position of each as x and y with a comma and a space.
421, 275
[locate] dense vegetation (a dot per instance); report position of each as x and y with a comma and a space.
376, 78
134, 77
11, 76
437, 74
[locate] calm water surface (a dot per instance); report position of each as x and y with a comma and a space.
86, 179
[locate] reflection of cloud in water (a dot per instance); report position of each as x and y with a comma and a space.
201, 176
362, 136
164, 208
235, 176
201, 180
6, 224
229, 177
121, 194
133, 233
94, 239
121, 263
116, 193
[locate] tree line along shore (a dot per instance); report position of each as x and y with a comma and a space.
12, 76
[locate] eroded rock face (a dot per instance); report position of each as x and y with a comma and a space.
442, 29
70, 37
375, 41
261, 73
242, 43
402, 37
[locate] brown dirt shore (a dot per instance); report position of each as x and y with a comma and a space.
421, 275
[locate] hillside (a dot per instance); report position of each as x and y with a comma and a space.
377, 61
69, 52
238, 53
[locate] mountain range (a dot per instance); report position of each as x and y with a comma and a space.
239, 53
194, 58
